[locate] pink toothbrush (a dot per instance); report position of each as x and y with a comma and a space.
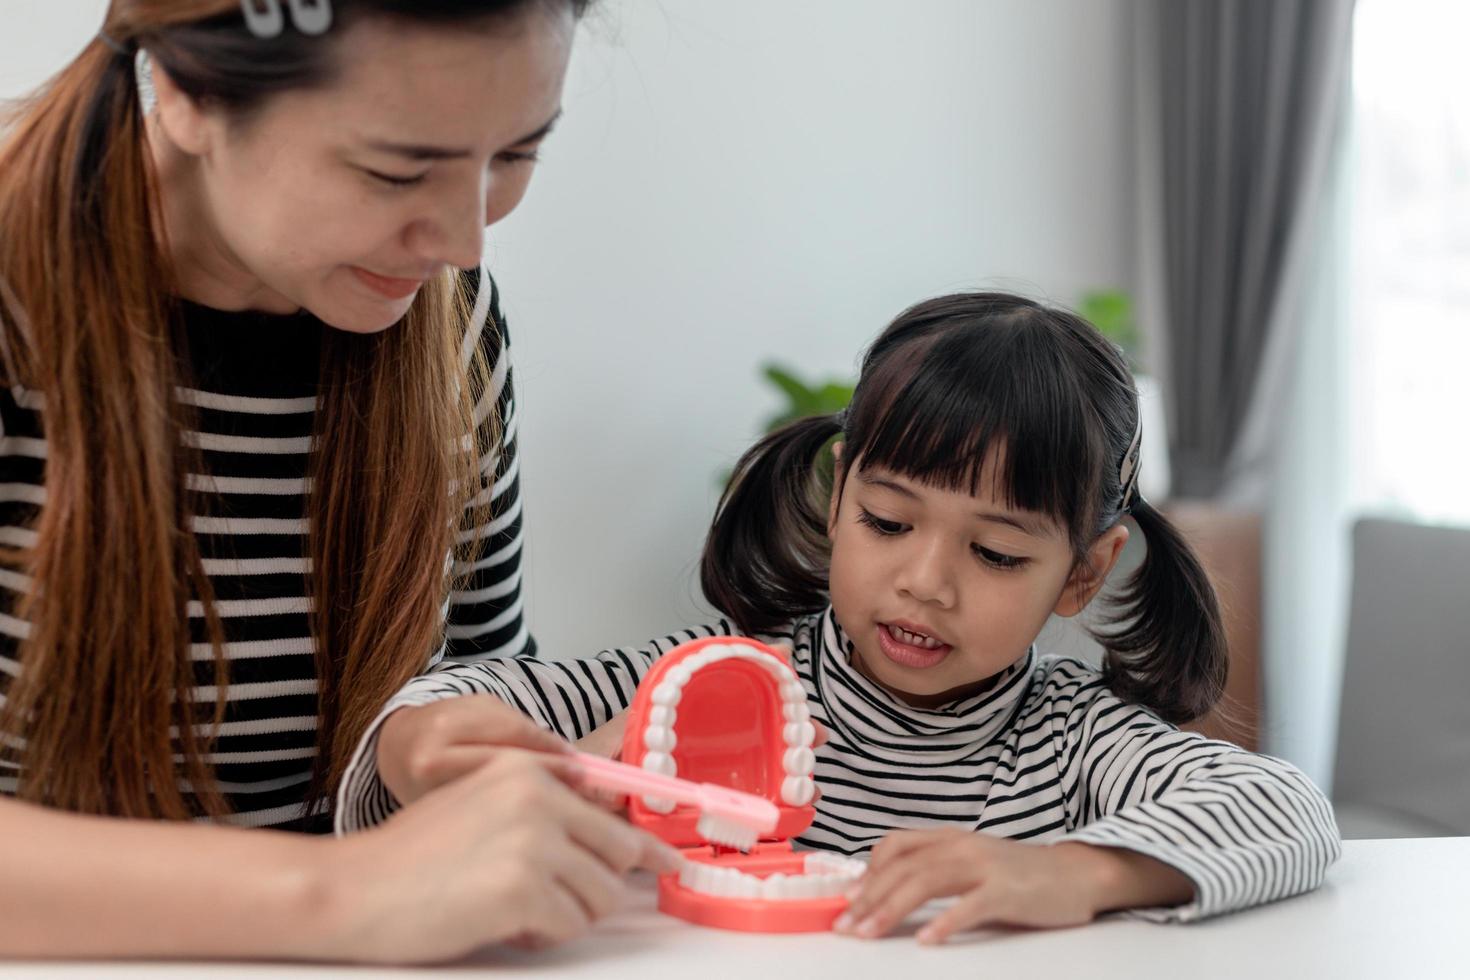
726, 816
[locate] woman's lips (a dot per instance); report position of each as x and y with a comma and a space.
907, 654
387, 286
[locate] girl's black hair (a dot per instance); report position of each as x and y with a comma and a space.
948, 380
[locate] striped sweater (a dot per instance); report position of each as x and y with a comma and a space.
253, 387
1046, 753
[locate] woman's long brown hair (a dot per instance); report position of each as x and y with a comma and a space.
102, 717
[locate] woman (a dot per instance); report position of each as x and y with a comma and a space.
246, 429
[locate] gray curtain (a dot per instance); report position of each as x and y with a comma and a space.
1241, 103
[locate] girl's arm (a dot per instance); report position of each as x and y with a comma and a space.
509, 852
1244, 828
406, 754
1163, 822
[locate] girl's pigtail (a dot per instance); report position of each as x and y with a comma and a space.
766, 558
1168, 652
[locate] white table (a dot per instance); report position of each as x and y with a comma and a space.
1390, 909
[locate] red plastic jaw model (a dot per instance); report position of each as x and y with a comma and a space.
732, 712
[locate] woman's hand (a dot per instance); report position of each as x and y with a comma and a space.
422, 748
509, 852
1002, 882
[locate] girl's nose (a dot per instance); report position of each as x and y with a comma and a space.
927, 577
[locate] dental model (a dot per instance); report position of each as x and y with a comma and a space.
730, 712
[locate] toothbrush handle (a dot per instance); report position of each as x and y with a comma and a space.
619, 777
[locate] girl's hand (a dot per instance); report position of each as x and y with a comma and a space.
507, 853
1002, 882
606, 741
422, 748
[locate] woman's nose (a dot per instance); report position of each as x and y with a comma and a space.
455, 233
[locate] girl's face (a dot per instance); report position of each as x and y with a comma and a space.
940, 591
343, 200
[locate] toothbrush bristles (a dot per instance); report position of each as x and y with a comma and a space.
717, 830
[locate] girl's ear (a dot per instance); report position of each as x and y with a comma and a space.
837, 478
1088, 576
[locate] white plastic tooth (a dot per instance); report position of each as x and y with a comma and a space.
667, 695
800, 761
796, 712
792, 692
774, 886
680, 675
797, 790
799, 734
663, 764
749, 886
659, 738
662, 715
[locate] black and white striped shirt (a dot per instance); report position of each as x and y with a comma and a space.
254, 382
1045, 753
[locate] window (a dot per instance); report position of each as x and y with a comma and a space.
1410, 282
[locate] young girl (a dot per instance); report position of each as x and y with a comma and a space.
986, 479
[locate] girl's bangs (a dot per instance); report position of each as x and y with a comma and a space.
936, 412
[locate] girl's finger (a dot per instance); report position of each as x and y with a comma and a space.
897, 904
927, 874
974, 908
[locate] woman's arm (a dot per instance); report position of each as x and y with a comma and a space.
452, 723
508, 852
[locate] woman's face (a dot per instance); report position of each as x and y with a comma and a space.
345, 199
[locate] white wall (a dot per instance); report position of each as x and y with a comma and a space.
735, 182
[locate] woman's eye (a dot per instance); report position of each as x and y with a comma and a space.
995, 559
519, 156
879, 524
396, 181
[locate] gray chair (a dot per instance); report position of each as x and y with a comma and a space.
1403, 744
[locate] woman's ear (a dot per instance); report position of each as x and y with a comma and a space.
1088, 576
183, 121
837, 477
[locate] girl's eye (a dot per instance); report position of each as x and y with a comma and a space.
879, 524
997, 560
519, 156
394, 181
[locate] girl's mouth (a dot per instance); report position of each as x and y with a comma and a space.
908, 648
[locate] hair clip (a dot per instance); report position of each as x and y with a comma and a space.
1128, 472
266, 18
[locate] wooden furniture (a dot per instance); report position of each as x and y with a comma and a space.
1228, 543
